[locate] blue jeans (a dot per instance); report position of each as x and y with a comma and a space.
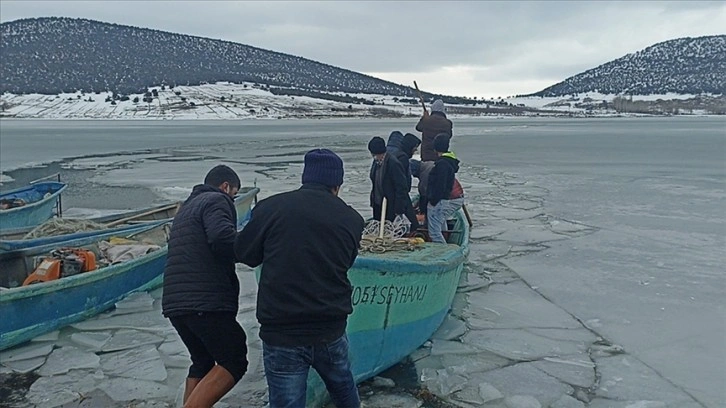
286, 369
438, 214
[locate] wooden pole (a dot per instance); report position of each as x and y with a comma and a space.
382, 228
466, 214
420, 97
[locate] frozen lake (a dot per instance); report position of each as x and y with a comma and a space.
596, 276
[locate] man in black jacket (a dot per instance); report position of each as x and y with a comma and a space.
409, 145
388, 179
201, 288
445, 194
305, 240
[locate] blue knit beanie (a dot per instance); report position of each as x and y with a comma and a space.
322, 166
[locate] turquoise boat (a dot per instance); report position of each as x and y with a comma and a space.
29, 311
400, 298
29, 206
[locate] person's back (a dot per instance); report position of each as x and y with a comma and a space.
431, 125
303, 282
305, 240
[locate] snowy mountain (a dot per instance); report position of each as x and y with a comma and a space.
682, 66
56, 55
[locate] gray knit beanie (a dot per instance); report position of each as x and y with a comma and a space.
438, 106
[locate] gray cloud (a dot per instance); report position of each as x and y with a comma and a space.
530, 41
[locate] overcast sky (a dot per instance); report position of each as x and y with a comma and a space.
468, 48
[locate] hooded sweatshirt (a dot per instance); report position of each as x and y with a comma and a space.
441, 178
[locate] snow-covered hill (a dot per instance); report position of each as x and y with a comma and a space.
684, 66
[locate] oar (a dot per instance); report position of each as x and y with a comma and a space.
423, 105
468, 217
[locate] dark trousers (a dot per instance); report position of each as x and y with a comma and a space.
213, 337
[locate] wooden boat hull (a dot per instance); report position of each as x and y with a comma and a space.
29, 311
35, 211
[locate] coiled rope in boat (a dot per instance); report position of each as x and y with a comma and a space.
392, 239
379, 245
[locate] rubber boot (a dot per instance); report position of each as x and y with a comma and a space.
191, 383
211, 388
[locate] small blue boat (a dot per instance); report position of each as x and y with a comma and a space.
29, 206
35, 309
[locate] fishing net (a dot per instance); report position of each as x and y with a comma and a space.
62, 226
395, 229
392, 239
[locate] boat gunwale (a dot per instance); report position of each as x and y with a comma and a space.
34, 203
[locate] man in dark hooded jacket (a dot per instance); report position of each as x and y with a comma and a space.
388, 179
445, 194
430, 126
393, 145
201, 288
409, 144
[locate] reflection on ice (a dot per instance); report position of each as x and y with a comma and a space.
150, 321
25, 352
142, 363
91, 340
126, 339
129, 389
135, 302
25, 366
62, 389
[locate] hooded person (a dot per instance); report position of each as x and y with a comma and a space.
306, 241
444, 192
431, 125
409, 144
388, 179
394, 141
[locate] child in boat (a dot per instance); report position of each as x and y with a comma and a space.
445, 194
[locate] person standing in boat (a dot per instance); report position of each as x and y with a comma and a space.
431, 125
421, 170
305, 240
409, 145
201, 288
445, 194
388, 179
